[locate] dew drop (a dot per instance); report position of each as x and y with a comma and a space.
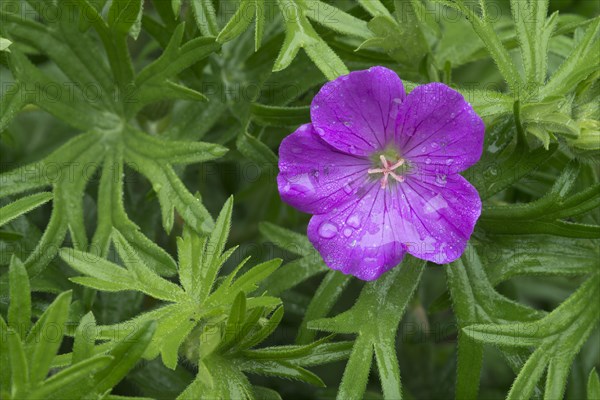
347, 124
327, 230
423, 149
428, 161
449, 161
397, 100
347, 188
354, 221
347, 232
352, 149
440, 179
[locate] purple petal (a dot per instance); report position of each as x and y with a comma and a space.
356, 113
360, 238
313, 176
438, 130
444, 210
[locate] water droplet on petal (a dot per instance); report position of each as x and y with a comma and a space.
327, 230
347, 124
354, 221
347, 232
440, 179
449, 161
428, 161
347, 188
352, 149
397, 100
423, 149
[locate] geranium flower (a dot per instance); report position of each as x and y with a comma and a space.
379, 170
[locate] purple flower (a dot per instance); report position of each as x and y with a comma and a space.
379, 170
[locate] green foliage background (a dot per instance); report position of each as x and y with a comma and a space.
128, 271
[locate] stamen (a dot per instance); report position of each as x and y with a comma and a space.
384, 161
398, 164
387, 170
398, 178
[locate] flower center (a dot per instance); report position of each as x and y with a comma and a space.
388, 170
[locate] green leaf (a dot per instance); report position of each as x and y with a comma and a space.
84, 339
336, 19
125, 354
507, 256
5, 44
325, 297
45, 338
239, 22
558, 337
593, 386
301, 34
386, 298
20, 376
19, 309
374, 7
147, 280
175, 58
249, 281
511, 165
22, 206
282, 369
279, 116
114, 278
171, 192
212, 261
468, 370
234, 322
63, 380
403, 41
124, 16
475, 300
204, 12
255, 150
286, 239
544, 215
485, 30
5, 373
264, 331
576, 67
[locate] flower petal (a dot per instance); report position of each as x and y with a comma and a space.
444, 210
313, 176
356, 113
438, 130
360, 238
